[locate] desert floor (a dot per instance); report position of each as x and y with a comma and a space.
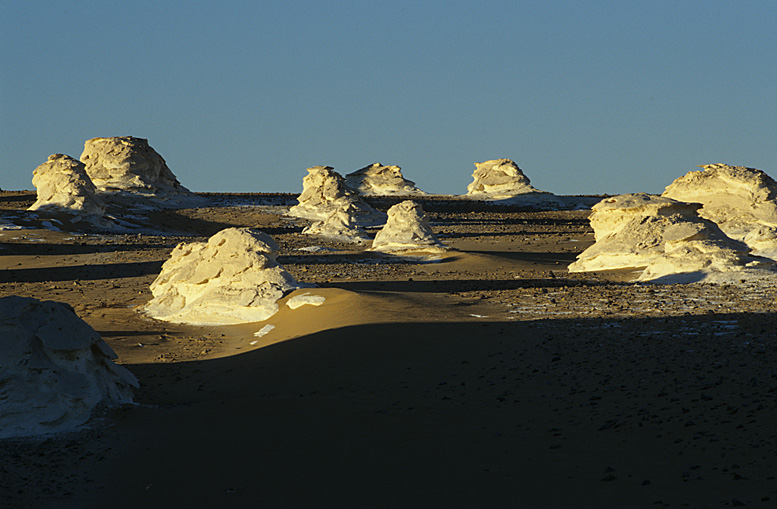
490, 377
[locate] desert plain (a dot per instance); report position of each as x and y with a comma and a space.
485, 376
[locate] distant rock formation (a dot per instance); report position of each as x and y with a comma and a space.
665, 237
339, 225
379, 180
324, 191
63, 185
127, 167
406, 230
232, 278
55, 370
499, 179
741, 200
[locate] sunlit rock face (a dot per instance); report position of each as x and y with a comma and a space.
406, 230
128, 167
232, 278
325, 191
742, 201
55, 370
499, 179
379, 180
665, 237
339, 225
63, 185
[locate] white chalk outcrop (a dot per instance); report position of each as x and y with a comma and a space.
741, 200
406, 230
55, 370
379, 180
128, 168
324, 191
63, 185
499, 179
665, 237
340, 225
232, 278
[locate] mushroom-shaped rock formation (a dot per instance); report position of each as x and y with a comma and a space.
64, 186
232, 278
665, 237
339, 225
325, 191
55, 370
406, 230
379, 180
499, 179
127, 167
742, 201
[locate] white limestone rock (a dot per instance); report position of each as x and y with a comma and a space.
128, 169
63, 185
232, 278
339, 225
665, 237
379, 180
325, 191
55, 370
741, 200
406, 230
499, 179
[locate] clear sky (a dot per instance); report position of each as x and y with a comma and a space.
586, 96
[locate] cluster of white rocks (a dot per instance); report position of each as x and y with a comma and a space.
62, 183
55, 370
379, 180
232, 278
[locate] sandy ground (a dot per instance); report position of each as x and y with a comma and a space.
488, 377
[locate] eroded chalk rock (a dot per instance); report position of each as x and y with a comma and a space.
379, 180
63, 185
499, 179
232, 278
406, 230
324, 191
55, 370
340, 225
741, 200
665, 237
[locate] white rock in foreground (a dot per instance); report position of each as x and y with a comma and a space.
324, 191
55, 370
232, 278
741, 200
339, 225
379, 180
665, 237
499, 179
127, 167
406, 230
63, 185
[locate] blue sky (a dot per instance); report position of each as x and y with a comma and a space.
586, 96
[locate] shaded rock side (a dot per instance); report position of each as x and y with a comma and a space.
379, 180
339, 225
128, 167
55, 370
663, 236
499, 179
406, 230
325, 191
232, 278
741, 200
63, 185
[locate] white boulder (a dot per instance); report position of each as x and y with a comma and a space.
665, 237
325, 191
63, 185
406, 230
379, 180
499, 179
741, 200
232, 278
339, 225
55, 370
